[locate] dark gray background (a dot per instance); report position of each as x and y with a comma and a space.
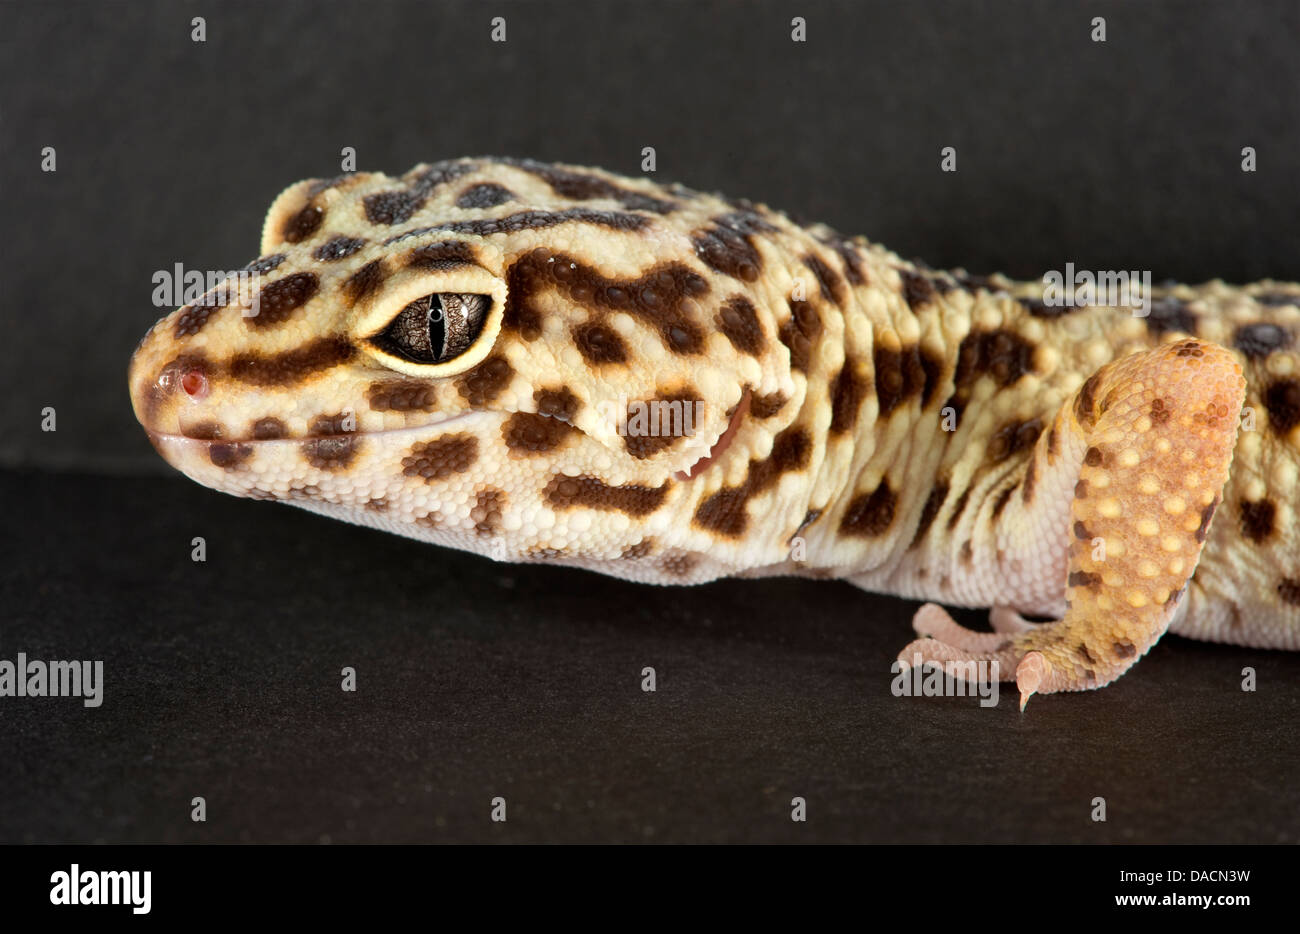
479, 679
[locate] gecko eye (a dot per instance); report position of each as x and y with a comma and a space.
435, 328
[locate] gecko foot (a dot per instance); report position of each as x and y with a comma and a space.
1151, 438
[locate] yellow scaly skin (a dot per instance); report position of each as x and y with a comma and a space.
924, 433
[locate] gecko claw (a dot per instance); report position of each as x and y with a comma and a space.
1030, 674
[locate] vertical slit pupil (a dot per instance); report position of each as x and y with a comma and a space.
437, 318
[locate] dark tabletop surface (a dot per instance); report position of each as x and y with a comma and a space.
477, 680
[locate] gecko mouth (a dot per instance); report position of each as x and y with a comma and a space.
720, 446
157, 436
223, 448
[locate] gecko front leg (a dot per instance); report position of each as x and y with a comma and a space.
1156, 431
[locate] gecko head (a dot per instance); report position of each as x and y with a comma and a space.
478, 351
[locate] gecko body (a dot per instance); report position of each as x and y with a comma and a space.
546, 363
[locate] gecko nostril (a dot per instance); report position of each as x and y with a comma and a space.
195, 384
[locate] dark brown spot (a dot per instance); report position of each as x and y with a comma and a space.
917, 289
291, 366
447, 254
1160, 411
932, 367
391, 207
871, 514
1002, 355
484, 195
1030, 481
441, 458
337, 248
277, 301
599, 343
193, 317
487, 509
1282, 400
207, 430
679, 563
828, 281
641, 549
531, 220
269, 429
365, 280
424, 181
799, 332
1081, 489
1289, 590
848, 252
1124, 649
1260, 340
728, 246
847, 392
767, 406
378, 504
557, 403
592, 492
1083, 579
958, 508
1093, 457
1258, 520
967, 552
1086, 401
402, 395
264, 264
1053, 443
1085, 654
1012, 438
581, 186
485, 382
1206, 515
302, 225
229, 455
1170, 315
324, 184
527, 433
330, 453
900, 376
1189, 349
1040, 309
738, 321
1000, 503
1277, 299
1081, 532
977, 283
326, 425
